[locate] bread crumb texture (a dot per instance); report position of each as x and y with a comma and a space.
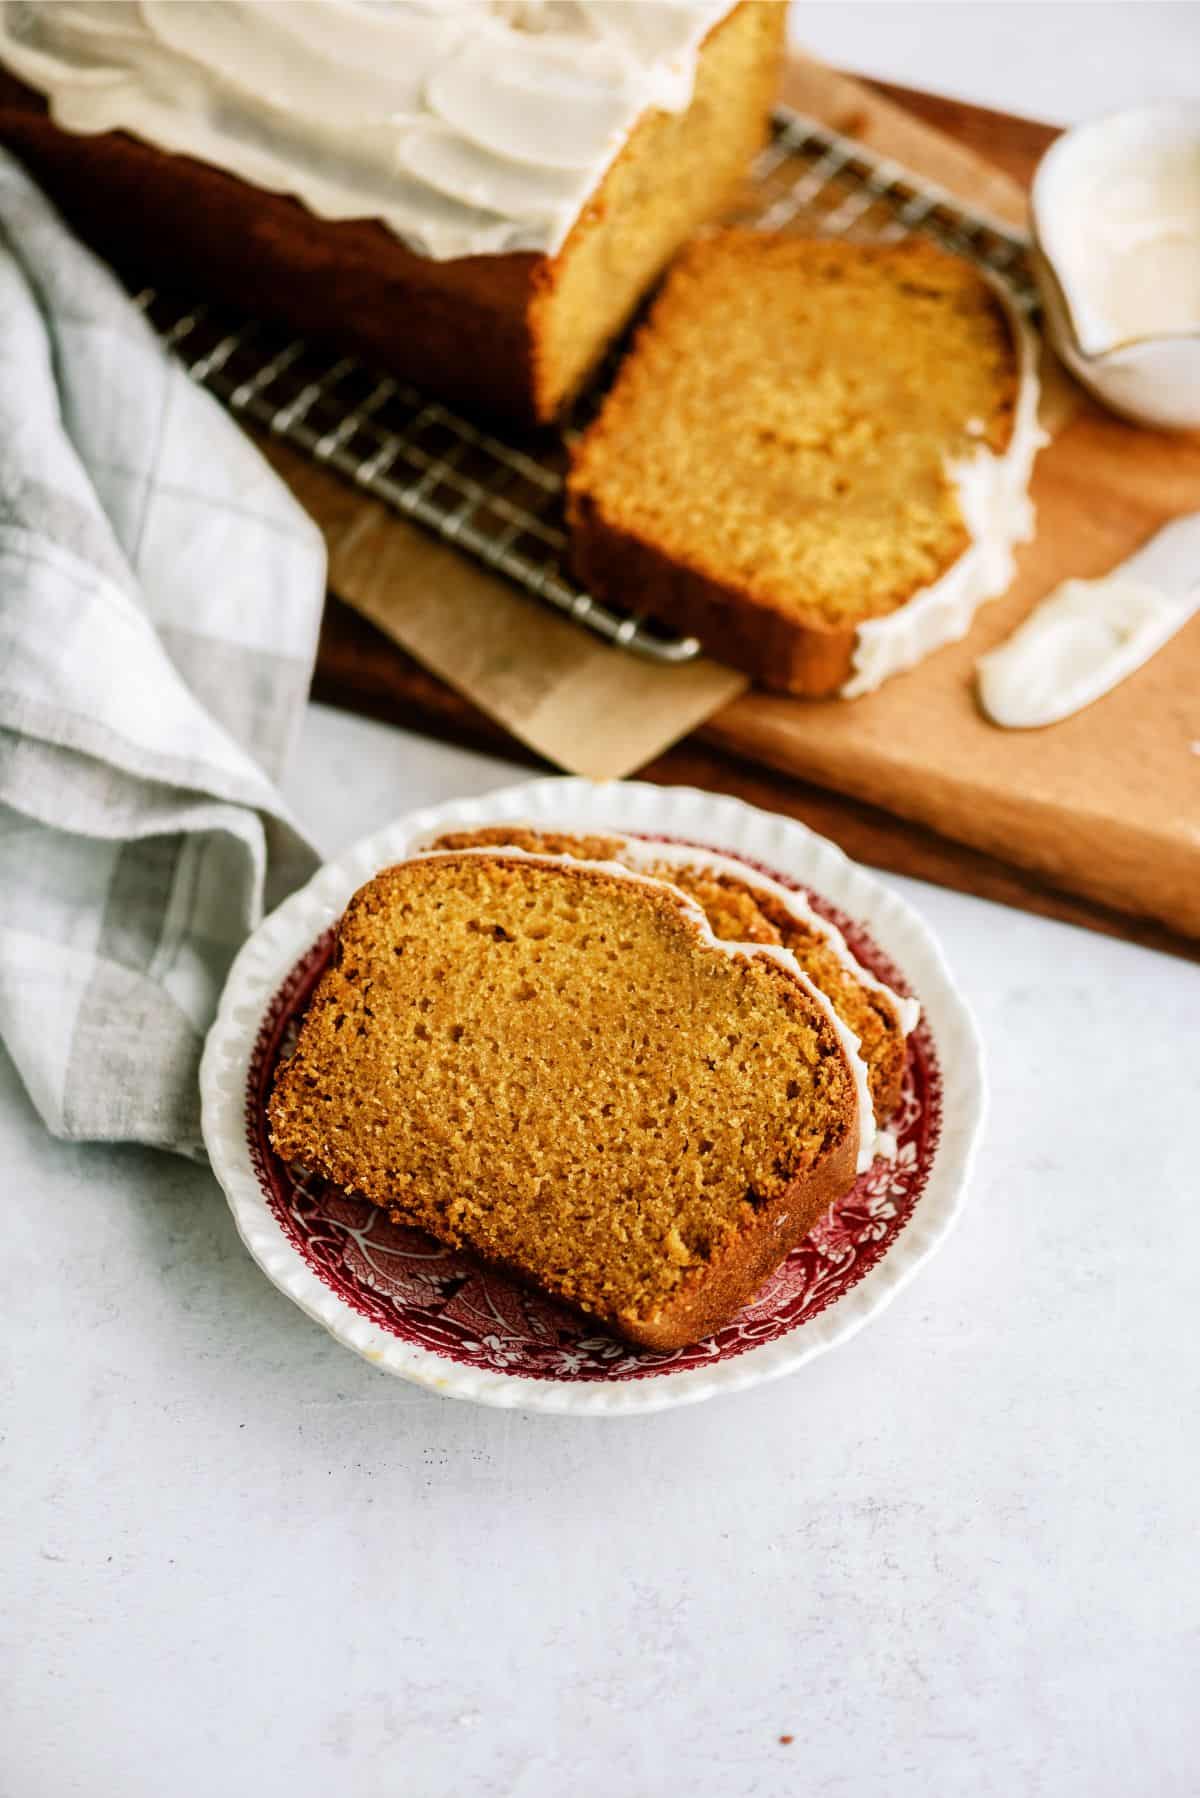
675, 172
551, 1066
784, 422
738, 912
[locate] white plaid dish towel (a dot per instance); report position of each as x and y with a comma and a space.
160, 598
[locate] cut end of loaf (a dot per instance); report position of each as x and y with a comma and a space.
675, 173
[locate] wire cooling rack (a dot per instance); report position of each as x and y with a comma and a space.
495, 497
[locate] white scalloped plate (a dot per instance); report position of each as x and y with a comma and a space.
433, 1316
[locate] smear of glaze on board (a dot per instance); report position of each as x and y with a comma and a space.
1088, 636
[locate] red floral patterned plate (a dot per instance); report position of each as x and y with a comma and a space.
434, 1315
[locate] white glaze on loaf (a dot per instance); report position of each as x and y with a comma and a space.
467, 127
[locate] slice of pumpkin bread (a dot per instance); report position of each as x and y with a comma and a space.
805, 439
560, 1068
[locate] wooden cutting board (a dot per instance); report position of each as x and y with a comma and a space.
1104, 807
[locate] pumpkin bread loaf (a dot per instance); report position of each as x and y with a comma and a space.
515, 334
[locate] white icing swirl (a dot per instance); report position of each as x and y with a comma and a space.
467, 127
993, 494
1088, 636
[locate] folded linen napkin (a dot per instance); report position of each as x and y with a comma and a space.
160, 597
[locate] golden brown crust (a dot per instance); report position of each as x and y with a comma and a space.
704, 1307
508, 335
587, 848
735, 626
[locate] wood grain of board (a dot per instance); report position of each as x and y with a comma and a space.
1105, 807
360, 670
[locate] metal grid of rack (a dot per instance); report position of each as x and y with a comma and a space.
495, 497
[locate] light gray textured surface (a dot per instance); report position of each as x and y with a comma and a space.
958, 1554
955, 1557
